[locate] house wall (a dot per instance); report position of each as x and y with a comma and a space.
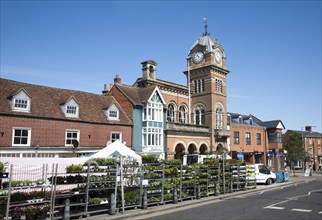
252, 150
51, 133
123, 101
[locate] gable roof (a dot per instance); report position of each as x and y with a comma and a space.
17, 92
272, 124
46, 101
137, 95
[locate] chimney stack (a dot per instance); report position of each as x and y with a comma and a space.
117, 79
308, 128
105, 90
149, 69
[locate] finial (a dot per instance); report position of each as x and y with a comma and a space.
206, 26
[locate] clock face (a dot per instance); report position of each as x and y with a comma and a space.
218, 57
198, 57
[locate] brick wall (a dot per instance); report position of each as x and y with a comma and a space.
51, 133
122, 100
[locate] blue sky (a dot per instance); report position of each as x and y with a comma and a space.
273, 48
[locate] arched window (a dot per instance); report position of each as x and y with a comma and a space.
171, 113
182, 114
219, 119
199, 115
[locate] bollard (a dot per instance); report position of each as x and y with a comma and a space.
112, 209
175, 195
231, 187
67, 210
198, 191
217, 192
145, 200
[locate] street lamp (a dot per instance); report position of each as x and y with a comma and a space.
37, 147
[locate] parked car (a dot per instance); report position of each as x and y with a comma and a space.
264, 175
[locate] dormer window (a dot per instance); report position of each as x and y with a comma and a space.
240, 120
20, 101
250, 121
70, 108
112, 113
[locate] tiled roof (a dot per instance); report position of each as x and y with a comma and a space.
256, 121
271, 124
46, 103
307, 133
136, 95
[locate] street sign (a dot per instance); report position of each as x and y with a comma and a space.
240, 156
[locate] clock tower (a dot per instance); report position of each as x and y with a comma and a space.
206, 76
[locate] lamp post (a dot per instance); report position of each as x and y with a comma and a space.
37, 147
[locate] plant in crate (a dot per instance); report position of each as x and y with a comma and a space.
43, 210
31, 212
74, 168
17, 212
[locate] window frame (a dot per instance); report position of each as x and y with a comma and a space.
248, 140
28, 137
20, 96
219, 119
219, 85
171, 113
71, 131
258, 138
199, 115
112, 109
115, 133
236, 137
182, 114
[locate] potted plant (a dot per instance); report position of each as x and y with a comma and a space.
17, 212
74, 168
3, 173
43, 210
31, 212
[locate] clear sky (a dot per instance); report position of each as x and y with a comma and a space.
273, 48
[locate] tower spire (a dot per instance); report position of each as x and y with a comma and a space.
206, 26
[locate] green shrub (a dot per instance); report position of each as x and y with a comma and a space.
2, 167
101, 161
172, 162
149, 159
74, 168
95, 200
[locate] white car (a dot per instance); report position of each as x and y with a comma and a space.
264, 175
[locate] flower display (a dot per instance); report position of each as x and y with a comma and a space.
17, 211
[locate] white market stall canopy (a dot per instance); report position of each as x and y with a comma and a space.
117, 149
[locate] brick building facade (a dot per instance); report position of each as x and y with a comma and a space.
312, 145
48, 122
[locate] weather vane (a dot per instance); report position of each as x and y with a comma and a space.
206, 26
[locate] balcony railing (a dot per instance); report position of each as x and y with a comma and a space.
187, 128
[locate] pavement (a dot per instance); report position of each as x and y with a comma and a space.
186, 204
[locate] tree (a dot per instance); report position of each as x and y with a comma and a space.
294, 147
